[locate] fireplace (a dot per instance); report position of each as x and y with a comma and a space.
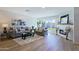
62, 32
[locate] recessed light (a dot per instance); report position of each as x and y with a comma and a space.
27, 10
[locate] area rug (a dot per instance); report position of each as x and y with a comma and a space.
20, 41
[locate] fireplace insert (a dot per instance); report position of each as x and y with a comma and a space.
62, 32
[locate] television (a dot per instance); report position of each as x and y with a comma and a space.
64, 19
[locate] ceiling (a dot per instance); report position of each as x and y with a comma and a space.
37, 11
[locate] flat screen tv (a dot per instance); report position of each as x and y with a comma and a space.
64, 19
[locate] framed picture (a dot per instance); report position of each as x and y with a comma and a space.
64, 19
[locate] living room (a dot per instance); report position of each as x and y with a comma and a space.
39, 23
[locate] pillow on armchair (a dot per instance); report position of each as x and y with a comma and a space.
40, 31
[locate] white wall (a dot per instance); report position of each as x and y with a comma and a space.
71, 20
71, 15
76, 25
48, 18
6, 17
30, 21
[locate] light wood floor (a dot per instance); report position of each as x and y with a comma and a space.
50, 42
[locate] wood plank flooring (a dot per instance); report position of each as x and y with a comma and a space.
50, 42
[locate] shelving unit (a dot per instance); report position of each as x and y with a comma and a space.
18, 24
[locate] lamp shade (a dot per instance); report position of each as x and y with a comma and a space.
4, 25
